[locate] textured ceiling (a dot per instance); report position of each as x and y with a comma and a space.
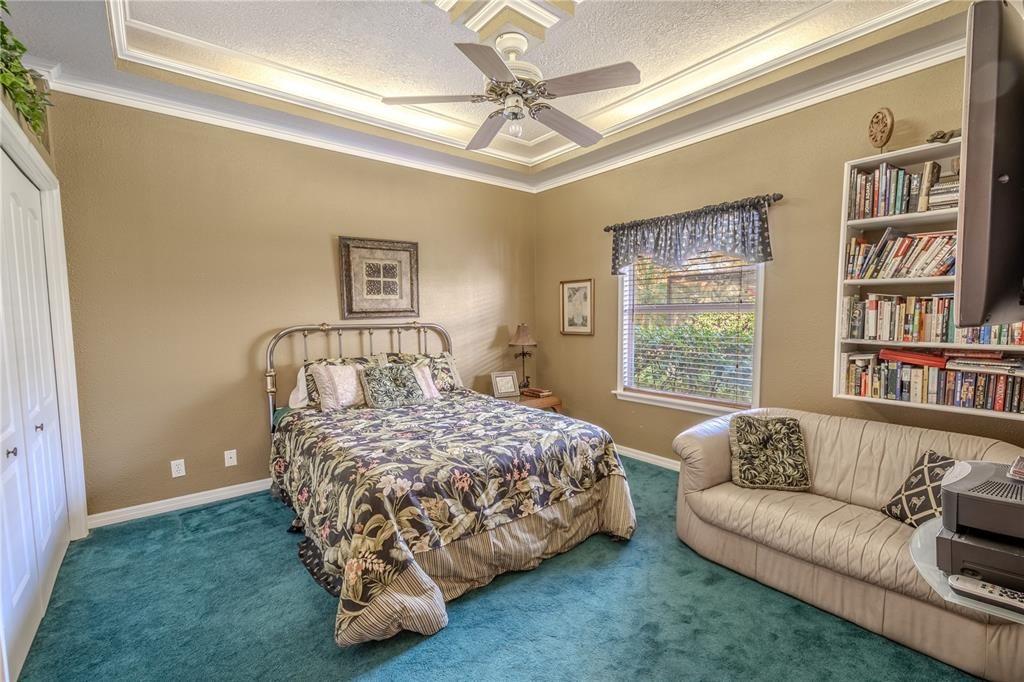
406, 47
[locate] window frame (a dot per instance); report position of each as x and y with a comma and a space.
685, 403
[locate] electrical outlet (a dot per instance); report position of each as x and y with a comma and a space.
230, 458
177, 468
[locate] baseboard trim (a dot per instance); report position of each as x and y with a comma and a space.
140, 511
650, 458
175, 503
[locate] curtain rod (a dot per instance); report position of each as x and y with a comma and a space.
768, 198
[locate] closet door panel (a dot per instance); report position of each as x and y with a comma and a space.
20, 609
23, 241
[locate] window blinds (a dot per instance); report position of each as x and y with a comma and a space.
689, 330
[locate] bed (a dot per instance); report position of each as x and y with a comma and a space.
405, 508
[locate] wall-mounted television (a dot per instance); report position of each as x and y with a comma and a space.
990, 225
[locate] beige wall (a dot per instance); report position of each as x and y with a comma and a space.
801, 155
189, 244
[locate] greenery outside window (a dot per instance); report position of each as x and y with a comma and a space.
690, 334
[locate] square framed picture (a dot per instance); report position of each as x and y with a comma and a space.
577, 307
504, 384
379, 278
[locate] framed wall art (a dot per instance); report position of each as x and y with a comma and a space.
379, 278
577, 307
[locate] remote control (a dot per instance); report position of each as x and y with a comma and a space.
1012, 600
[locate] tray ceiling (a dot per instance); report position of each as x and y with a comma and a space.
314, 72
341, 57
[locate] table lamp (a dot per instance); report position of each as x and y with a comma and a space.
523, 339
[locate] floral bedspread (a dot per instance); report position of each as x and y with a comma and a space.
374, 487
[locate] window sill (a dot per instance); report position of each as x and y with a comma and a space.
681, 404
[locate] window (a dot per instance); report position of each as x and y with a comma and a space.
689, 333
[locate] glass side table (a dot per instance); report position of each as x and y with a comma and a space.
922, 550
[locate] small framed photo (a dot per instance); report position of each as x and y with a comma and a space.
504, 384
578, 307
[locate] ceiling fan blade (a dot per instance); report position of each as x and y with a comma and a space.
566, 125
487, 131
487, 60
614, 76
429, 99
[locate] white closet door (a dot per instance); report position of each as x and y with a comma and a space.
20, 581
23, 246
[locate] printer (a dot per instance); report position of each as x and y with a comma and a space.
983, 524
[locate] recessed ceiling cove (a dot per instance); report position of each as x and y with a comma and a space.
339, 59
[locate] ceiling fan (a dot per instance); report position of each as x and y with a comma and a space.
518, 88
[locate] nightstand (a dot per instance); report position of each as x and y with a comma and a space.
551, 402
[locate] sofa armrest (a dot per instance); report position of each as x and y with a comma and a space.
704, 452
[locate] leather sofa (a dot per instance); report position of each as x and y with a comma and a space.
831, 546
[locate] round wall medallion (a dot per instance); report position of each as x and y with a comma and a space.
880, 127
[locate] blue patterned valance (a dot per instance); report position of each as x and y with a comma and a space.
738, 228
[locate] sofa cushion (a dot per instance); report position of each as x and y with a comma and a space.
862, 462
919, 499
852, 540
768, 452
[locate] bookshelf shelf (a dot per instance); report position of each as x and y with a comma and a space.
929, 406
908, 377
903, 281
1014, 348
941, 216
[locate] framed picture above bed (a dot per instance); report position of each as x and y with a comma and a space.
379, 278
578, 307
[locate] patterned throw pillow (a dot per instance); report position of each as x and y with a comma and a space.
391, 386
312, 393
919, 499
768, 452
442, 368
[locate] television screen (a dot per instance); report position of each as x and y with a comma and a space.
990, 244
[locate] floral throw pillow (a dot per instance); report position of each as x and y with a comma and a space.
442, 368
391, 386
768, 452
919, 499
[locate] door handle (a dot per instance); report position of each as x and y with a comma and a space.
39, 427
12, 451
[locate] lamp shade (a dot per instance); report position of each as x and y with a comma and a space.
522, 337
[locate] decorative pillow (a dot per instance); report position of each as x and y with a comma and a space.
338, 386
768, 452
312, 394
391, 386
919, 499
426, 383
442, 368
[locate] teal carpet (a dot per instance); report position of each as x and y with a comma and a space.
218, 593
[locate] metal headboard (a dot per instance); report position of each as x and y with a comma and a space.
340, 330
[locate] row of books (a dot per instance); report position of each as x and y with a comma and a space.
918, 319
869, 374
944, 194
898, 255
890, 190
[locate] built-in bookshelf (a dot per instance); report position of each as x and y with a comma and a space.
896, 342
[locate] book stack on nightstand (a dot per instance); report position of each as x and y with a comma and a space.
540, 398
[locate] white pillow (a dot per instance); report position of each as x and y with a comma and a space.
426, 383
299, 397
339, 386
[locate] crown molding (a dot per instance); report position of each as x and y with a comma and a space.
61, 81
843, 86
